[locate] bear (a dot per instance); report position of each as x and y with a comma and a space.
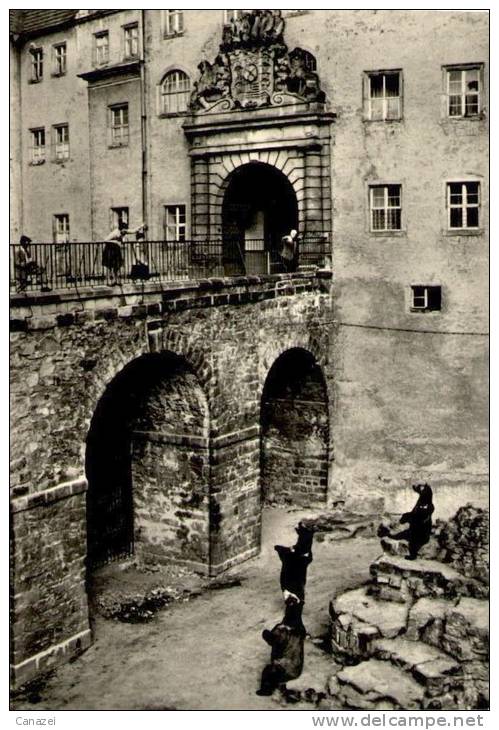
418, 521
287, 655
295, 562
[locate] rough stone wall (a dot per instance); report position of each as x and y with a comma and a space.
171, 471
49, 614
58, 374
171, 500
62, 363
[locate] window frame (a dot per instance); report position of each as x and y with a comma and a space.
464, 229
56, 69
367, 76
463, 68
56, 218
426, 306
179, 226
126, 29
116, 214
36, 65
182, 94
97, 35
116, 141
173, 23
56, 128
38, 159
384, 231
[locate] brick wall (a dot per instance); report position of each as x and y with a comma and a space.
49, 614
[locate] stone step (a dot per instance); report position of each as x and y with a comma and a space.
401, 580
376, 685
359, 618
311, 685
459, 627
436, 671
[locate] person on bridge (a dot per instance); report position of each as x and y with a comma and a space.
26, 266
112, 256
289, 251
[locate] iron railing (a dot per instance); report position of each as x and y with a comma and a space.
74, 265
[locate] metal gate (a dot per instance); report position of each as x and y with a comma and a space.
109, 506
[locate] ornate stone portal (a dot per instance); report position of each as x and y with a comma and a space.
254, 68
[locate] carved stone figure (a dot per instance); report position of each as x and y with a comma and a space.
267, 26
278, 29
254, 67
256, 27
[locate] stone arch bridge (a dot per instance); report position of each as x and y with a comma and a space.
157, 422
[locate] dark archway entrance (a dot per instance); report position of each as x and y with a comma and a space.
259, 208
295, 431
147, 466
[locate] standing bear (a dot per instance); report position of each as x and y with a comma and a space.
286, 640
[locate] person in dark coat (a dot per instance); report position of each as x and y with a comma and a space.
418, 521
287, 655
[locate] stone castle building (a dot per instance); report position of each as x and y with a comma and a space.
158, 418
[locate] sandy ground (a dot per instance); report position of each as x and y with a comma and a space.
207, 653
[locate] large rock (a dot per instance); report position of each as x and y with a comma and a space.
464, 542
397, 579
357, 619
375, 685
466, 634
426, 620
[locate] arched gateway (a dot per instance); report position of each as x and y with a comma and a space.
294, 431
258, 102
259, 207
147, 466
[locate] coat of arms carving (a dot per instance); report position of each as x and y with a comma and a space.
254, 68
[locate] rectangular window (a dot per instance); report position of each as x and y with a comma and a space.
61, 228
463, 91
174, 22
384, 95
131, 39
426, 298
119, 125
119, 215
101, 47
174, 224
61, 142
463, 202
59, 56
386, 207
37, 145
36, 64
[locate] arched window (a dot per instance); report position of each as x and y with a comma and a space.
174, 92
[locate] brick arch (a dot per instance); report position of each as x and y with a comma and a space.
147, 451
303, 341
177, 343
288, 162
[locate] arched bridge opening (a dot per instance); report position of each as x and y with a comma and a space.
294, 431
